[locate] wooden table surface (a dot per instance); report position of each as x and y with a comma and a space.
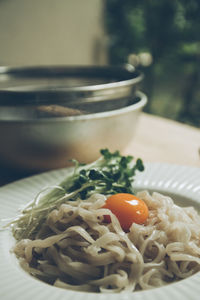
156, 140
163, 140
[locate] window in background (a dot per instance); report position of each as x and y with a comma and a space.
169, 32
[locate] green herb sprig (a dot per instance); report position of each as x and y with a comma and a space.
112, 173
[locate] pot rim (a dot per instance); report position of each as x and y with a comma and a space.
122, 80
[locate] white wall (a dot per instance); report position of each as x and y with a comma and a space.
51, 32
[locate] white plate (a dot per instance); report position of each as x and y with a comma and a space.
182, 183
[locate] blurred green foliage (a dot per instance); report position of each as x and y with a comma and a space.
170, 31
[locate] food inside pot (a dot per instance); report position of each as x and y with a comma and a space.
59, 111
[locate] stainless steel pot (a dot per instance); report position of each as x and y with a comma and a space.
49, 140
68, 85
49, 143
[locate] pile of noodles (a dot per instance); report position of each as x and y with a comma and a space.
75, 248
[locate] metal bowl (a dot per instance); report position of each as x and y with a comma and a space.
43, 143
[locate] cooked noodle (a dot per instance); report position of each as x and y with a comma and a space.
75, 248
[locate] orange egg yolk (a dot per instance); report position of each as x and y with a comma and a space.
127, 208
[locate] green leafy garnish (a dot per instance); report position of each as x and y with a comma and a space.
112, 173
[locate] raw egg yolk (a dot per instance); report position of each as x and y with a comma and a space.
127, 208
